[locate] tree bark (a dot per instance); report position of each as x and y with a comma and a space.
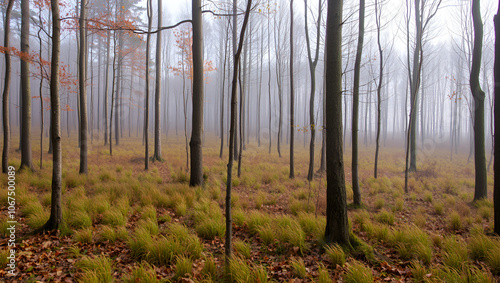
56, 215
197, 123
496, 165
157, 154
379, 87
337, 226
355, 106
106, 87
481, 185
146, 112
292, 95
6, 90
26, 158
232, 135
83, 89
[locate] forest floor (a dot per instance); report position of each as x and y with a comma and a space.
125, 224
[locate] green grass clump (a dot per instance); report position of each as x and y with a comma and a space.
336, 254
455, 253
141, 273
149, 212
455, 221
239, 270
210, 228
37, 220
114, 217
266, 234
181, 208
74, 180
242, 248
83, 236
140, 243
479, 245
418, 271
323, 277
99, 268
239, 217
297, 206
412, 243
79, 219
493, 258
379, 203
100, 204
259, 274
106, 176
210, 268
360, 217
33, 207
398, 205
3, 257
484, 212
428, 197
385, 216
107, 234
358, 273
298, 268
310, 224
183, 266
439, 208
288, 230
256, 219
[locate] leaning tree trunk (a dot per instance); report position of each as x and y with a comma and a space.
355, 106
83, 90
157, 153
496, 144
232, 135
56, 215
26, 158
292, 95
337, 226
481, 188
197, 122
6, 90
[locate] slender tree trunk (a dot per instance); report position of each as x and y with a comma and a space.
235, 27
146, 112
481, 188
112, 98
106, 87
337, 226
355, 106
292, 95
222, 96
56, 215
197, 100
379, 86
26, 159
496, 143
157, 154
40, 92
232, 135
83, 89
6, 90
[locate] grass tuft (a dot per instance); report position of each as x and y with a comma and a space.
99, 268
358, 273
336, 254
298, 268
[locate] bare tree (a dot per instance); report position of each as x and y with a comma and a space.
481, 186
197, 123
6, 90
337, 226
26, 159
56, 215
157, 153
292, 94
146, 112
496, 165
82, 81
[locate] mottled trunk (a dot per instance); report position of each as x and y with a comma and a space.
26, 159
197, 122
82, 82
6, 90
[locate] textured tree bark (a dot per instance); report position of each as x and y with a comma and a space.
106, 87
146, 112
26, 158
56, 216
337, 226
6, 90
481, 186
82, 82
292, 95
355, 106
232, 141
197, 123
157, 153
496, 165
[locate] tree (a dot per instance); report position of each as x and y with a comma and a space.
496, 151
146, 112
232, 137
292, 95
26, 160
6, 89
337, 226
82, 77
312, 68
157, 153
355, 105
56, 215
197, 122
481, 186
378, 17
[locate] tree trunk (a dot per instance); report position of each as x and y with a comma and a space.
56, 215
496, 144
26, 159
481, 188
292, 95
415, 82
83, 89
146, 112
337, 226
232, 135
197, 122
6, 90
106, 87
157, 154
379, 87
235, 26
355, 106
